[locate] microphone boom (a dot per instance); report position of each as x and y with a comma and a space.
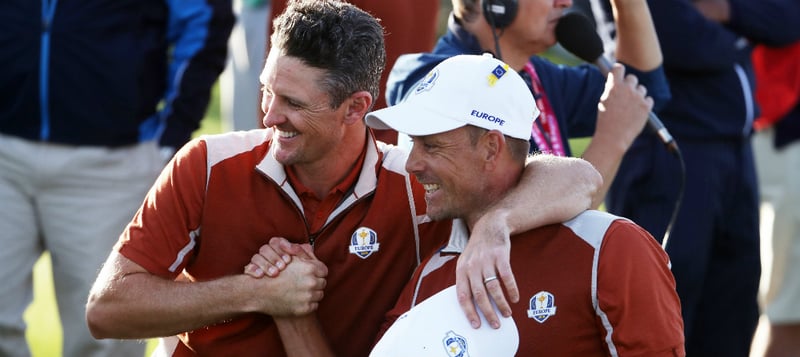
577, 35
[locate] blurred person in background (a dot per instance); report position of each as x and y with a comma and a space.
776, 145
95, 95
238, 85
714, 242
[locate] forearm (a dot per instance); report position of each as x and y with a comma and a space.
303, 336
127, 301
637, 42
552, 189
145, 306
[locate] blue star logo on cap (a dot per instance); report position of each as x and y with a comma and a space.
497, 72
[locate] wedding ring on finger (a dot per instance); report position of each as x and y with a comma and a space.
487, 280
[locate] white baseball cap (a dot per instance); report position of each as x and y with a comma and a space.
437, 327
463, 90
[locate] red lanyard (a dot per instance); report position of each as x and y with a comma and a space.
545, 132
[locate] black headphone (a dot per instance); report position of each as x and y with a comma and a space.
499, 13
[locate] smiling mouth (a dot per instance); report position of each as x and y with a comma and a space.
287, 134
431, 187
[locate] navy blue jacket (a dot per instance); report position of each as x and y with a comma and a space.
709, 67
787, 130
573, 92
109, 72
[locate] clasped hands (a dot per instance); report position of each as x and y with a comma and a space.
301, 276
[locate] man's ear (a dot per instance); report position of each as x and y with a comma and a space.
357, 106
492, 144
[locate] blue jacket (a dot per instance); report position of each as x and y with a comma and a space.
708, 64
573, 91
109, 72
787, 130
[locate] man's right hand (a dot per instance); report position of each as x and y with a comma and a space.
273, 257
298, 283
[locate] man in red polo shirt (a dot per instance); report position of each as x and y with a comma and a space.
595, 285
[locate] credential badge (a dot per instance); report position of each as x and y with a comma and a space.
455, 345
542, 306
364, 242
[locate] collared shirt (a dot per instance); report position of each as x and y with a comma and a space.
318, 210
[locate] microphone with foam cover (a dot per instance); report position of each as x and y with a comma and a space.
576, 34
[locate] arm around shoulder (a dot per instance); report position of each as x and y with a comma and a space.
552, 189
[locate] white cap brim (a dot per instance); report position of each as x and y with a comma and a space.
438, 327
414, 120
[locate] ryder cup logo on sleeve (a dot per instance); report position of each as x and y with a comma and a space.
476, 90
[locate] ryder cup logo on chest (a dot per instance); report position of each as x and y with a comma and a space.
542, 306
364, 242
